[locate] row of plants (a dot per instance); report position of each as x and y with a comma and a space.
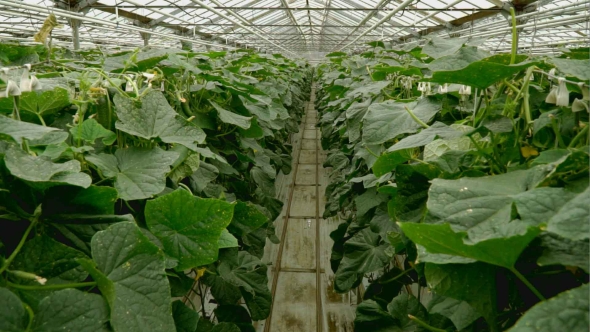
461, 180
128, 180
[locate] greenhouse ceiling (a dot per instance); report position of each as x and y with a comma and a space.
309, 28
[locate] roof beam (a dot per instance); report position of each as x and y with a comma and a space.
293, 19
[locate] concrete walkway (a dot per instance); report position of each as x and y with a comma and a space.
299, 273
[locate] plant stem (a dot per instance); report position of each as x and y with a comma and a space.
15, 110
418, 121
528, 284
184, 186
579, 136
31, 317
514, 37
52, 287
424, 325
397, 276
20, 244
512, 87
525, 83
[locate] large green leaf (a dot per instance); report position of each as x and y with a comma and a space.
402, 306
570, 221
232, 118
567, 311
44, 102
46, 257
72, 310
246, 219
482, 206
438, 129
139, 172
472, 283
17, 130
244, 270
573, 68
439, 47
387, 162
481, 74
13, 314
90, 130
560, 251
42, 172
459, 312
440, 239
188, 226
153, 117
458, 60
363, 253
387, 120
130, 272
185, 318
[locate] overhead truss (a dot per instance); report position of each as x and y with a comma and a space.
296, 27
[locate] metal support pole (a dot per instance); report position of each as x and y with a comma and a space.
146, 38
75, 24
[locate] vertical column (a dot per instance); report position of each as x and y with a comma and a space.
146, 38
75, 24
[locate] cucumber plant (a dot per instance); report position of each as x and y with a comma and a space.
128, 180
461, 180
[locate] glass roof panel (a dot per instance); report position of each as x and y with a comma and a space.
278, 25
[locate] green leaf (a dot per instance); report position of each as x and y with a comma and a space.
570, 221
439, 47
186, 168
480, 74
482, 206
567, 311
153, 117
459, 60
473, 283
242, 269
573, 68
226, 327
368, 200
130, 272
227, 240
232, 118
185, 318
459, 312
365, 252
189, 227
247, 218
72, 310
560, 251
43, 172
17, 130
90, 130
389, 161
46, 257
440, 239
402, 306
203, 176
139, 172
13, 314
438, 129
259, 304
45, 102
387, 120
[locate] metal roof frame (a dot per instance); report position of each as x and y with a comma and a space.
295, 27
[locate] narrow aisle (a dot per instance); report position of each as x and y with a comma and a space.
305, 245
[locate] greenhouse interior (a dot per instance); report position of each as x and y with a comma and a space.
294, 166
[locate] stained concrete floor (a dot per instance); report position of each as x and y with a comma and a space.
304, 299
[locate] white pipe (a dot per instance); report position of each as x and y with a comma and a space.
537, 15
383, 20
83, 18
